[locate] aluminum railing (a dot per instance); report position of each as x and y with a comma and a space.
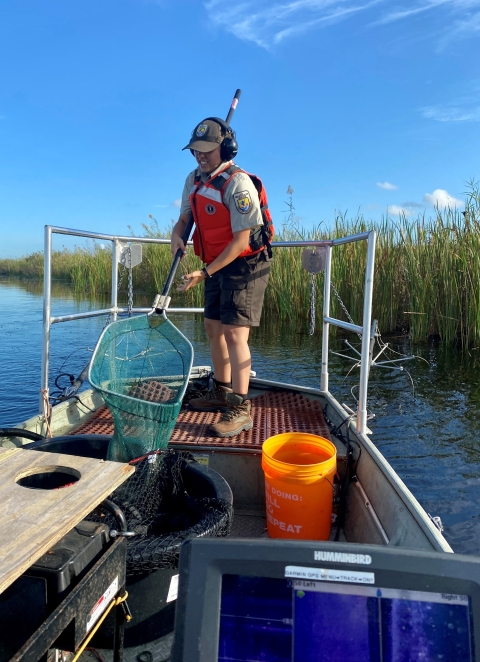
119, 242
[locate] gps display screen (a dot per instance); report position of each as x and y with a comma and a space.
292, 620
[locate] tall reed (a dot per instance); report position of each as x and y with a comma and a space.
427, 274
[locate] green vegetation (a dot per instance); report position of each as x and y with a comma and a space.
427, 275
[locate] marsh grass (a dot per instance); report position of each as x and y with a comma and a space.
427, 273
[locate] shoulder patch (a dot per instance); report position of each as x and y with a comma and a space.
243, 201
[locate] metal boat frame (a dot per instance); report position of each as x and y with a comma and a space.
381, 509
120, 242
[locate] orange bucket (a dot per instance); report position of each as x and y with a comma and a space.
299, 471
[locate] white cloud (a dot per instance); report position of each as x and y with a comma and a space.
451, 114
442, 199
270, 22
264, 22
387, 186
412, 204
176, 203
398, 14
396, 210
467, 26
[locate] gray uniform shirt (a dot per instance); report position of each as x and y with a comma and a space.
239, 194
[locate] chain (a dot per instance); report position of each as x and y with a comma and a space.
313, 295
120, 280
130, 290
343, 307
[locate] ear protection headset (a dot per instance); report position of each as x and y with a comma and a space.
229, 145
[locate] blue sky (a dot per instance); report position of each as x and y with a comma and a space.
353, 103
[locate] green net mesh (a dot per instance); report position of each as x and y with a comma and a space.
141, 366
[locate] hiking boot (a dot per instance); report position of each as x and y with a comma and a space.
236, 419
213, 400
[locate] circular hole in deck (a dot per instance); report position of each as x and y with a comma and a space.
49, 478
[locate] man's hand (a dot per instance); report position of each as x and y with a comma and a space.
177, 243
190, 280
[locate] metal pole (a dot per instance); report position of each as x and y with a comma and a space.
367, 321
326, 314
344, 325
47, 299
116, 252
109, 311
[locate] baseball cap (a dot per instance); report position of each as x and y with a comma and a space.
206, 136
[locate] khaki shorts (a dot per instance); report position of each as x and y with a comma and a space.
234, 295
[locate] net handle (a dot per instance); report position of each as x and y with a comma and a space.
164, 301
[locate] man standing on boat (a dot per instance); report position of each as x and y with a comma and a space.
232, 231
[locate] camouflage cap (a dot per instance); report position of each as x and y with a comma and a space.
206, 136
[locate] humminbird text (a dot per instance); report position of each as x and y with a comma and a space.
339, 557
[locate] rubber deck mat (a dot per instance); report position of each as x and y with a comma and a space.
272, 412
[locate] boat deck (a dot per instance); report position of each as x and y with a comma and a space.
273, 412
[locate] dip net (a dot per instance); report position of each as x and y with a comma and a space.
141, 366
163, 506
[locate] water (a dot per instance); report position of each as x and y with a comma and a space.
430, 436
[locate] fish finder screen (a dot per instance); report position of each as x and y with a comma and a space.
293, 620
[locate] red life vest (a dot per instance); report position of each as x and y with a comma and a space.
213, 230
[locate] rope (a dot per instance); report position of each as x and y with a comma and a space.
114, 603
47, 411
